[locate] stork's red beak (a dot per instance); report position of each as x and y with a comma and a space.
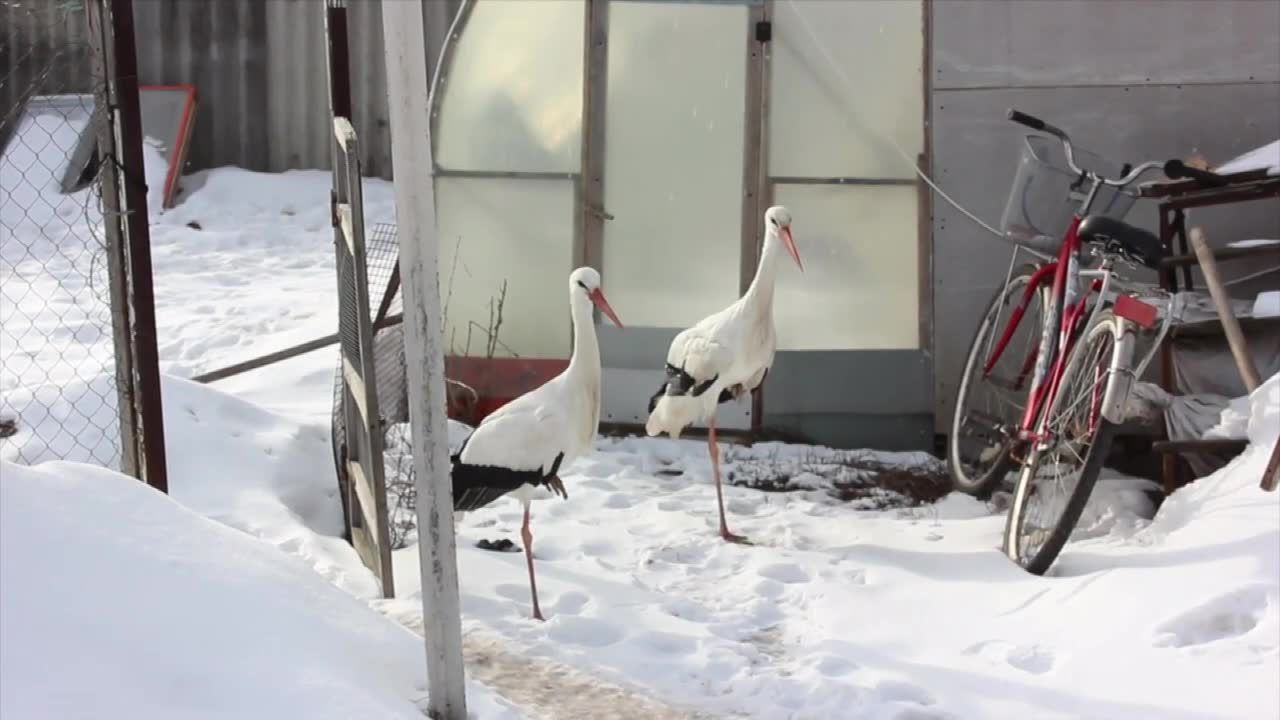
790, 245
597, 297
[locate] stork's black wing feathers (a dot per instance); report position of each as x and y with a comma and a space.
679, 382
475, 486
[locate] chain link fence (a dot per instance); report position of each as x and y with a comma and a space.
58, 388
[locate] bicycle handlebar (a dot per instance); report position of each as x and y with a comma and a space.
1173, 168
1034, 123
1176, 169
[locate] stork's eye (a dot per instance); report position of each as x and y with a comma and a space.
774, 221
583, 285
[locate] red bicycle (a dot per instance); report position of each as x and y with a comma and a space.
1047, 377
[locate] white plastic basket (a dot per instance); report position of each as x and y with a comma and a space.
1046, 193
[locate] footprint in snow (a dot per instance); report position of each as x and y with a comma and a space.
594, 548
511, 591
768, 588
679, 555
596, 484
686, 610
665, 643
1229, 615
898, 691
1032, 659
834, 665
583, 631
619, 501
789, 573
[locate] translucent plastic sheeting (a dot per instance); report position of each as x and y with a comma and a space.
674, 135
513, 94
859, 291
493, 230
822, 126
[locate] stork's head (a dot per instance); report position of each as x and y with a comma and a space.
584, 284
777, 226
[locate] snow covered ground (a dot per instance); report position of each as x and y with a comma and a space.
119, 602
835, 612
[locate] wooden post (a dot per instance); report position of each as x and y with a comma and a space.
408, 88
1235, 338
112, 22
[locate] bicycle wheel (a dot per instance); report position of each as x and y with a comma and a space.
1058, 477
982, 446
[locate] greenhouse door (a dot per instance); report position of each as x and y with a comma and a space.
670, 230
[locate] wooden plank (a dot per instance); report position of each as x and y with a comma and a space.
589, 243
355, 386
753, 150
285, 354
364, 494
365, 547
347, 227
1218, 291
1215, 445
409, 112
1226, 253
344, 132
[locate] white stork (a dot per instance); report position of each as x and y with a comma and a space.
725, 355
522, 445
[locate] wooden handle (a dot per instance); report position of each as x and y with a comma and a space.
1235, 338
1271, 476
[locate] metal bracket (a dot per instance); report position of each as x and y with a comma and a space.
764, 31
599, 212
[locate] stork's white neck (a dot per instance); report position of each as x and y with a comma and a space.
759, 294
584, 364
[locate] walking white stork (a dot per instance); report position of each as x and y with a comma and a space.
522, 445
725, 355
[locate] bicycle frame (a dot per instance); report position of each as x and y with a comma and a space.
1061, 327
1067, 302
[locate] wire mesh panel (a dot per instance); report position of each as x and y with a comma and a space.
382, 254
359, 446
58, 387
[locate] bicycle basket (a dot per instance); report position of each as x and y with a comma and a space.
1043, 199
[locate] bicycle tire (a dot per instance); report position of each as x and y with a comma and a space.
983, 481
1091, 468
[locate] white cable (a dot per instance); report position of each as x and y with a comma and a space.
1251, 276
909, 160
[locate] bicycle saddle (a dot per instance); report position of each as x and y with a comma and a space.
1118, 237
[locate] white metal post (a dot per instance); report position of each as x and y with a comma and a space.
407, 93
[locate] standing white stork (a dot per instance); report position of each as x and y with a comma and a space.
522, 445
725, 355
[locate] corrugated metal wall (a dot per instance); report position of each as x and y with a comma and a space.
1130, 81
258, 67
44, 50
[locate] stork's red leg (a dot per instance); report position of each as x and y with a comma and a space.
527, 535
715, 470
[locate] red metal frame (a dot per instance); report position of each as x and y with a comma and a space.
498, 381
178, 153
1045, 387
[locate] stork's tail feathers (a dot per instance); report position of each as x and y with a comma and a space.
475, 486
672, 414
677, 404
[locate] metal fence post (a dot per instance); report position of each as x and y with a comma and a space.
112, 204
408, 89
125, 198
